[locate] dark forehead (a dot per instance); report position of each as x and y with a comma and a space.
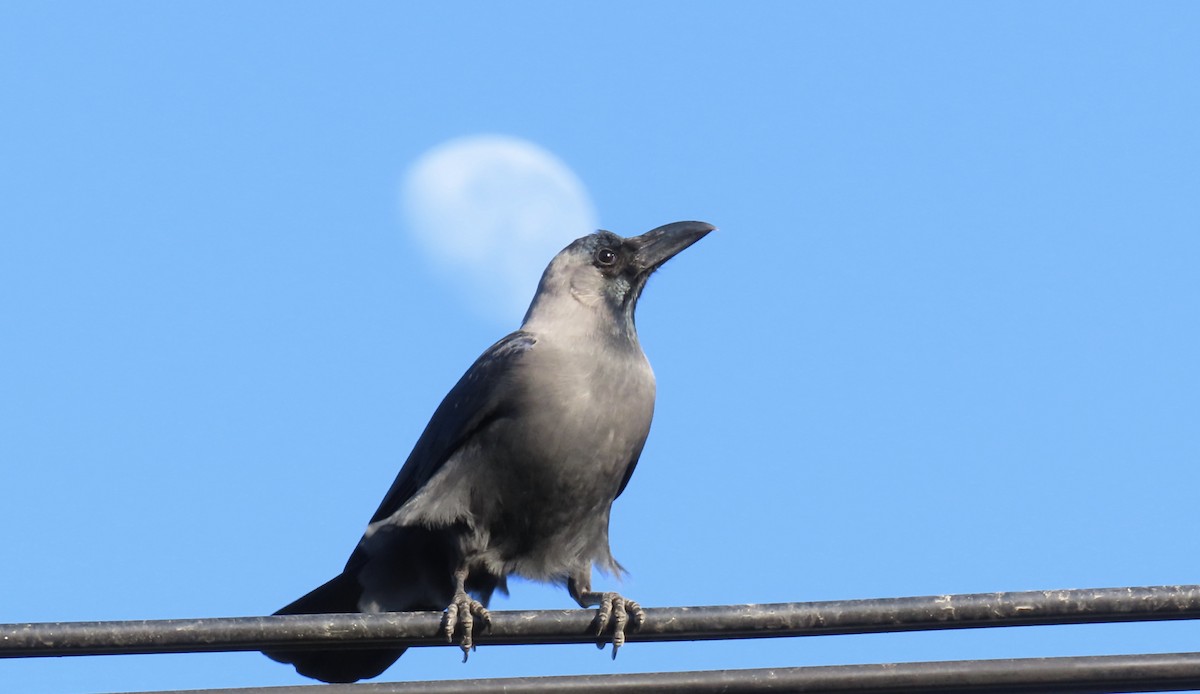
600, 238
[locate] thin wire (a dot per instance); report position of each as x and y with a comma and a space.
1080, 675
1156, 603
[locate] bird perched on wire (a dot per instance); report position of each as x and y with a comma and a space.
517, 470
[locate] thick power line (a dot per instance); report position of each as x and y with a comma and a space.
1093, 674
1030, 608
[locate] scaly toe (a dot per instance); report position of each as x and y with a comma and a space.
481, 613
460, 617
621, 609
624, 615
637, 616
450, 621
603, 612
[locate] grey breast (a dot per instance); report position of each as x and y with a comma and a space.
547, 475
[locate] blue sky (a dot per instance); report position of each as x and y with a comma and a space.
945, 340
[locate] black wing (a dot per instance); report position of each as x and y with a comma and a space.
480, 396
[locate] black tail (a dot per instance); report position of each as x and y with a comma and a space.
338, 595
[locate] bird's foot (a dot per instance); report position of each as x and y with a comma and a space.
622, 612
460, 617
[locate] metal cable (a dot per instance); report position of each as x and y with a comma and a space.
574, 626
1079, 675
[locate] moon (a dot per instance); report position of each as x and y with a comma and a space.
491, 211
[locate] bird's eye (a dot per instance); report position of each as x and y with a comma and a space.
606, 257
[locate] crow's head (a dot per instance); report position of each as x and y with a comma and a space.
595, 282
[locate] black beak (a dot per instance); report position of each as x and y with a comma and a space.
657, 246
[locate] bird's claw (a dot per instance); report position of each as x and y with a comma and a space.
460, 617
623, 612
